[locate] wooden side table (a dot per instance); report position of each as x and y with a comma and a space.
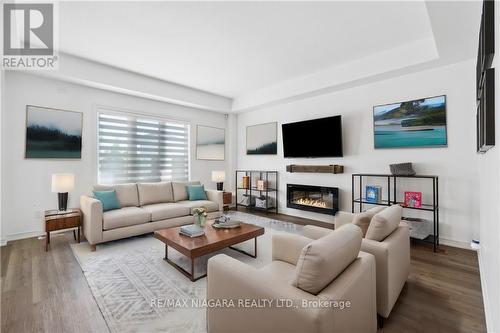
56, 220
227, 199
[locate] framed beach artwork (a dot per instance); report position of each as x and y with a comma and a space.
262, 139
417, 123
210, 143
53, 133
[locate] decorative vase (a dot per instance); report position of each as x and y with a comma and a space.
246, 182
200, 220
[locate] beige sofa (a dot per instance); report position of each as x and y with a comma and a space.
145, 207
330, 270
388, 239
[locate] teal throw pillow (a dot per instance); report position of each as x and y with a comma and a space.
196, 192
108, 199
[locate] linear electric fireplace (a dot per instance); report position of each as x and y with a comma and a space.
319, 199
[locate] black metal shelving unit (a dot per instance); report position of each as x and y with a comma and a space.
270, 177
392, 186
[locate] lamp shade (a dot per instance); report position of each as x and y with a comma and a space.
63, 182
218, 176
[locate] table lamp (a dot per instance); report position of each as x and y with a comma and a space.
62, 183
219, 177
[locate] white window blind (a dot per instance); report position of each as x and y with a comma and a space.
137, 148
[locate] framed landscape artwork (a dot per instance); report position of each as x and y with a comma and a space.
210, 143
262, 139
53, 133
417, 123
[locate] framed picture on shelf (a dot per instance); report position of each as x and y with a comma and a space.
210, 143
262, 139
413, 199
373, 194
53, 133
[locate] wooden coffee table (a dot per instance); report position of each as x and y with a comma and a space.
213, 240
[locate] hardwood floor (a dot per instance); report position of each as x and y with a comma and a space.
286, 218
442, 294
47, 292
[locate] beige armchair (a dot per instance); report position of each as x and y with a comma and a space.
391, 248
304, 289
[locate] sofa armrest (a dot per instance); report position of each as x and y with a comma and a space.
92, 219
343, 218
392, 256
315, 232
232, 280
288, 247
215, 196
356, 284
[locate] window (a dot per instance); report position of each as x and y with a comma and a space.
137, 148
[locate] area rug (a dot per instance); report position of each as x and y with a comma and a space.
130, 280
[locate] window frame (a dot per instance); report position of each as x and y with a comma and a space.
114, 111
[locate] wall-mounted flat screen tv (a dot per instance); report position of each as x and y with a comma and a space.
313, 138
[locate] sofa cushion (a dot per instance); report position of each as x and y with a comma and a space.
384, 223
363, 219
126, 193
163, 211
322, 260
151, 193
196, 192
180, 191
108, 200
209, 205
124, 217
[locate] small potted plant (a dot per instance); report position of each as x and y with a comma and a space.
200, 216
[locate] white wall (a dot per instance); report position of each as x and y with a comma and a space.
489, 184
455, 165
27, 181
2, 109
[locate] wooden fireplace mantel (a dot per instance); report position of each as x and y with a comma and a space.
332, 168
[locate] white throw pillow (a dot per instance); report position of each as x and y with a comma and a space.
384, 223
322, 260
363, 219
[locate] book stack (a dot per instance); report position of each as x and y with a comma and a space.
192, 230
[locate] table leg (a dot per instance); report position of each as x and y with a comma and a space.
47, 241
192, 270
79, 234
254, 255
189, 275
74, 234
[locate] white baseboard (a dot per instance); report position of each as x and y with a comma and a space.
486, 301
454, 243
20, 235
29, 234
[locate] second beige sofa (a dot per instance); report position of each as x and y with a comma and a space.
316, 276
388, 239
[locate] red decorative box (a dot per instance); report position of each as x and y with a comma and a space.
413, 199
